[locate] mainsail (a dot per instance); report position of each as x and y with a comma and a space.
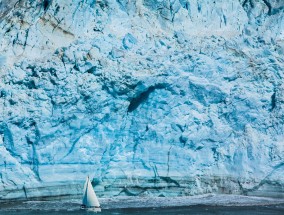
89, 196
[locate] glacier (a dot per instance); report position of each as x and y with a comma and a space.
149, 97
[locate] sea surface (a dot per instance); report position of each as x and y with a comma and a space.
193, 210
192, 205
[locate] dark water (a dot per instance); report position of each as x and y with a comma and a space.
195, 210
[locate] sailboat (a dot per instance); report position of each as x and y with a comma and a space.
90, 201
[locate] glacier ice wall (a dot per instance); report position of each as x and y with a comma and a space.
150, 97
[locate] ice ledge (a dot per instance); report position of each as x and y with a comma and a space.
150, 187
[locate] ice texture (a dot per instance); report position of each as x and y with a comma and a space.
149, 97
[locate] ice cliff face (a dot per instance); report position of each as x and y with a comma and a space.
151, 97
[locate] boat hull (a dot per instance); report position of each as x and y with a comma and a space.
91, 209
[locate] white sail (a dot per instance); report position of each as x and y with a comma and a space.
89, 196
85, 186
